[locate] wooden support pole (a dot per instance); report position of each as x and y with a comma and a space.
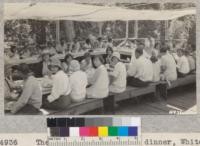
127, 29
136, 29
100, 24
57, 31
163, 27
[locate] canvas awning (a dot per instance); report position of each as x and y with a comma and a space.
86, 12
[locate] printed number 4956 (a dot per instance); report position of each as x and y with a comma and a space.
8, 142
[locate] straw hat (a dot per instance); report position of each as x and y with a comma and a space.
45, 52
74, 65
55, 62
116, 54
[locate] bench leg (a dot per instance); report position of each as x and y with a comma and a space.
157, 94
109, 105
161, 91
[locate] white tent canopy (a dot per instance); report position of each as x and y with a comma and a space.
86, 12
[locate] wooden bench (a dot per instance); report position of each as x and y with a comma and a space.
163, 87
130, 92
78, 108
189, 79
108, 104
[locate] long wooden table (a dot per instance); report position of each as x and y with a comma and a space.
34, 59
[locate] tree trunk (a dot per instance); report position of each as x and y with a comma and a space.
69, 30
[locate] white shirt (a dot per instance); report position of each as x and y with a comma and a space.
147, 54
100, 84
142, 68
78, 82
183, 65
133, 56
191, 62
169, 63
119, 73
61, 86
156, 71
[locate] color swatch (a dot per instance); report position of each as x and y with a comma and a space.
93, 127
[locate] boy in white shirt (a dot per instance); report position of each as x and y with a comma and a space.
183, 67
60, 94
100, 82
118, 84
78, 82
141, 71
168, 65
156, 67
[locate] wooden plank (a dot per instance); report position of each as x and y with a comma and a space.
160, 106
143, 91
81, 107
183, 81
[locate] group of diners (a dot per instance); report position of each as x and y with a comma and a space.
14, 52
95, 76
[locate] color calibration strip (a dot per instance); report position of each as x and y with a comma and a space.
93, 127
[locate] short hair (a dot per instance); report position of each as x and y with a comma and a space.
24, 68
100, 57
187, 52
109, 39
181, 50
99, 38
139, 51
87, 54
156, 45
109, 49
13, 49
141, 44
67, 56
164, 49
87, 41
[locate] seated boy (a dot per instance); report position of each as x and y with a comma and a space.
183, 67
140, 73
100, 82
30, 100
168, 65
60, 94
78, 82
118, 83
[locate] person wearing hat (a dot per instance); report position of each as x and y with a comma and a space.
30, 100
59, 97
78, 82
118, 83
41, 69
100, 82
140, 73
